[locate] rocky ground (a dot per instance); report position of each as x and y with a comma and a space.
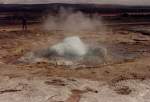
125, 77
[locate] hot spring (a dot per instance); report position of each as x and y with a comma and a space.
70, 51
74, 52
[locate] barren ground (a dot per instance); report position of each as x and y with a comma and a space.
122, 81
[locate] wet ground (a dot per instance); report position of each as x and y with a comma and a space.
124, 77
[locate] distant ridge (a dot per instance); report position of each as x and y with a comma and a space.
88, 8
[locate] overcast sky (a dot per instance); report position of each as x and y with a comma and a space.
130, 2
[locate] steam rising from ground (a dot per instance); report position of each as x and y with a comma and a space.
71, 50
126, 2
72, 22
71, 47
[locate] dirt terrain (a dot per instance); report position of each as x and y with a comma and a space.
121, 79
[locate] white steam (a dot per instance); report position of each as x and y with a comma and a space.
70, 51
73, 22
71, 46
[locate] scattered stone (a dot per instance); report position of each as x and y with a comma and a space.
124, 90
9, 91
56, 82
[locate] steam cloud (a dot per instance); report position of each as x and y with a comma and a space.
71, 51
71, 46
71, 22
125, 2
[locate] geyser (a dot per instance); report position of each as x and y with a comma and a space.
71, 51
70, 47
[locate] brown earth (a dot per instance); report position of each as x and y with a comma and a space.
14, 43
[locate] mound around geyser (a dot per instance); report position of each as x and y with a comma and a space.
70, 51
70, 47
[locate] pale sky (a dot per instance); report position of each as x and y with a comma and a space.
126, 2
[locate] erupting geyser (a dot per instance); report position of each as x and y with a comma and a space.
70, 47
70, 50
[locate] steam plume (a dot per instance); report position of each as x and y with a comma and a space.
72, 22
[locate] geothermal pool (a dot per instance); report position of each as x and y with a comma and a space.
72, 51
